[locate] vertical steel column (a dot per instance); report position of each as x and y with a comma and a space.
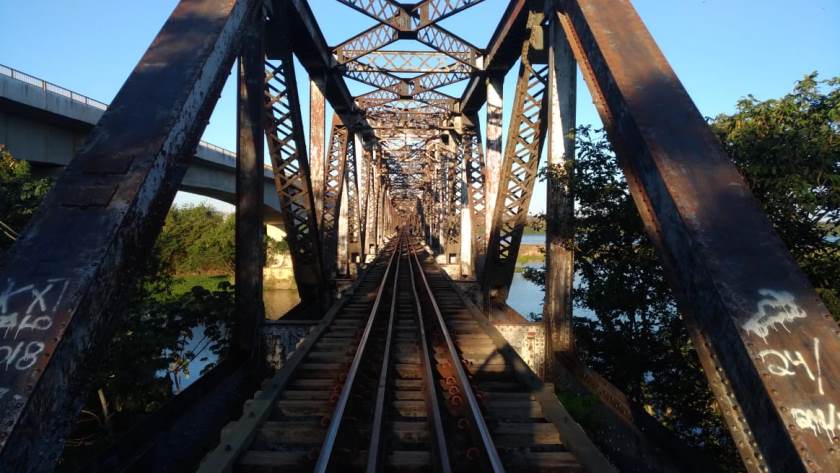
364, 196
342, 268
372, 189
466, 253
442, 199
454, 201
377, 208
354, 232
474, 166
249, 192
427, 220
317, 130
526, 135
292, 177
333, 188
557, 311
493, 155
382, 223
768, 344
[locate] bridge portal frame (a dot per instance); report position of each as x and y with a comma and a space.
766, 341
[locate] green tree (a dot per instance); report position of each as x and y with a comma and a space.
162, 334
198, 239
789, 152
20, 194
633, 334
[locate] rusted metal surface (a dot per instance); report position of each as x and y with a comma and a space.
519, 168
249, 191
65, 276
474, 167
407, 154
493, 146
315, 55
354, 223
559, 215
371, 189
287, 147
365, 162
453, 165
767, 341
333, 187
317, 130
501, 54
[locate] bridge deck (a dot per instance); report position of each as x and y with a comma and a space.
406, 368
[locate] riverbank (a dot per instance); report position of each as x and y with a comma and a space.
530, 253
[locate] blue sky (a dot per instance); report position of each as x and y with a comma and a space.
722, 50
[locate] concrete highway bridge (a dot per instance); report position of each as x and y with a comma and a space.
404, 219
46, 124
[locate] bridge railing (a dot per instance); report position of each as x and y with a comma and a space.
31, 80
50, 87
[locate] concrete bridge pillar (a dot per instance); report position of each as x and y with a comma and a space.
278, 272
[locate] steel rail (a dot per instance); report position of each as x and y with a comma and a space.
325, 455
433, 409
475, 411
381, 390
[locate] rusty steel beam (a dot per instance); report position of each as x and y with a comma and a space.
449, 43
501, 53
287, 147
433, 80
437, 99
365, 162
376, 98
317, 130
407, 18
474, 165
354, 226
433, 11
767, 342
249, 192
373, 38
310, 47
559, 213
333, 186
67, 275
405, 61
384, 11
454, 165
493, 156
518, 174
381, 80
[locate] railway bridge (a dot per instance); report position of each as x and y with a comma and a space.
404, 218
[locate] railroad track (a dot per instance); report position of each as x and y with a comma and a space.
404, 375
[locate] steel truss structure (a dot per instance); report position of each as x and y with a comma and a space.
287, 147
407, 153
519, 169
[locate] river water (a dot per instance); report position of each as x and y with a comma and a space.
279, 301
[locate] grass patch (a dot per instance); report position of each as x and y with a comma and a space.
184, 283
527, 259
